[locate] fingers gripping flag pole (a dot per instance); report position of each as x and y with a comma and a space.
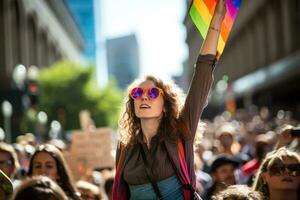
201, 12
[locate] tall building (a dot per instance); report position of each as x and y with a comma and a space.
123, 59
35, 32
83, 13
262, 56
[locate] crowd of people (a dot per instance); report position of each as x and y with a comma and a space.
257, 151
237, 156
39, 171
164, 153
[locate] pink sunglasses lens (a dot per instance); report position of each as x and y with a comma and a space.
153, 93
137, 93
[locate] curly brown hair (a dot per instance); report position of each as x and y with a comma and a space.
171, 126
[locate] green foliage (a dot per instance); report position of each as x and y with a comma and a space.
29, 121
67, 88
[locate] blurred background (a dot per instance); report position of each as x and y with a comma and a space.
59, 57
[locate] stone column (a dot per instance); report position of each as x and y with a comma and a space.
51, 53
286, 26
23, 35
32, 40
260, 34
39, 49
15, 32
274, 29
2, 49
7, 38
44, 49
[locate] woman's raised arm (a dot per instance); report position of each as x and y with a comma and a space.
210, 43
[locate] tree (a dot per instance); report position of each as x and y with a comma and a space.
67, 88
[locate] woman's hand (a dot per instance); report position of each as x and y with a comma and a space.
220, 9
219, 14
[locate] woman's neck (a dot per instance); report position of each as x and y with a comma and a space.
149, 128
283, 195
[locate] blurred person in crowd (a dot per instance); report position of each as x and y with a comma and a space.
272, 138
96, 178
261, 147
253, 128
201, 145
216, 147
6, 187
289, 136
88, 190
222, 171
108, 186
24, 153
49, 161
9, 162
204, 180
153, 127
226, 134
30, 139
39, 188
279, 176
238, 192
58, 143
242, 140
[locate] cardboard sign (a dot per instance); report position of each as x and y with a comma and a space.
90, 150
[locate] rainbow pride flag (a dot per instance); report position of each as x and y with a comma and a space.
201, 12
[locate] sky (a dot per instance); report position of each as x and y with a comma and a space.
158, 25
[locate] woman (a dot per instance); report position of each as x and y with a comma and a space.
39, 188
279, 176
48, 160
154, 130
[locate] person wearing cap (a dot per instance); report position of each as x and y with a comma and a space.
6, 187
226, 135
222, 171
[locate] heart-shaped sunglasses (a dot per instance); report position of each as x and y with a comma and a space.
152, 93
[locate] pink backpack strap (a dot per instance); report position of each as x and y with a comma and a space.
188, 187
117, 181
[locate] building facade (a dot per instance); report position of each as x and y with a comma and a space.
83, 12
262, 55
123, 59
33, 32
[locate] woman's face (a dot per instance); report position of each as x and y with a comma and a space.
44, 164
283, 175
145, 107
